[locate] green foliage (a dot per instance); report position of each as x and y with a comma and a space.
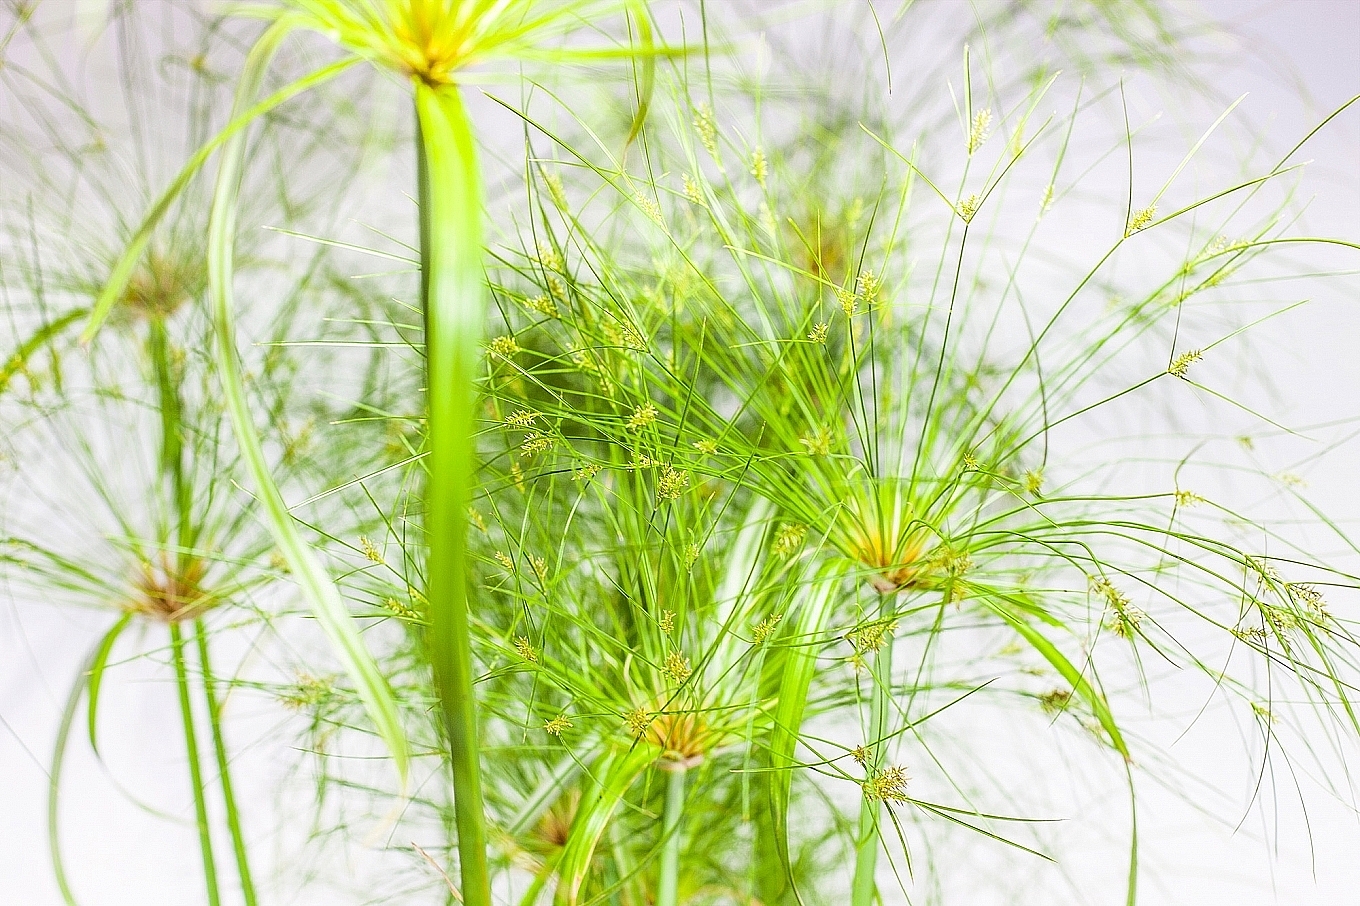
688, 516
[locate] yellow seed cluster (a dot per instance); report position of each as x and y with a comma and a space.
638, 721
848, 300
667, 621
504, 346
887, 785
694, 193
1181, 366
789, 538
1141, 219
549, 257
370, 550
672, 483
522, 418
691, 554
556, 192
540, 568
765, 628
1123, 618
872, 636
1034, 481
585, 472
759, 166
555, 726
707, 127
867, 285
818, 442
1188, 498
977, 134
968, 208
544, 305
504, 560
400, 609
525, 650
818, 332
677, 667
642, 417
535, 443
649, 207
861, 755
707, 447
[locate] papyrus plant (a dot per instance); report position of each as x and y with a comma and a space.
124, 505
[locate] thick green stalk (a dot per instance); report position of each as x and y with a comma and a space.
452, 287
668, 884
238, 842
870, 810
195, 771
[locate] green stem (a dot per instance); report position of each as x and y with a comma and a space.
195, 771
866, 842
319, 589
667, 885
452, 286
223, 768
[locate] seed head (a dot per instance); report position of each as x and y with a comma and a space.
504, 346
1182, 364
534, 443
887, 785
585, 472
707, 128
544, 305
867, 285
504, 560
370, 550
555, 726
708, 447
818, 442
555, 190
818, 332
1034, 481
649, 207
789, 538
1141, 219
667, 621
549, 258
765, 628
638, 721
872, 636
642, 417
392, 605
1046, 201
677, 667
523, 418
694, 193
759, 167
969, 207
848, 300
525, 650
1055, 701
982, 121
861, 755
1187, 498
672, 483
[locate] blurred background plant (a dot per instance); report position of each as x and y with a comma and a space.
866, 479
